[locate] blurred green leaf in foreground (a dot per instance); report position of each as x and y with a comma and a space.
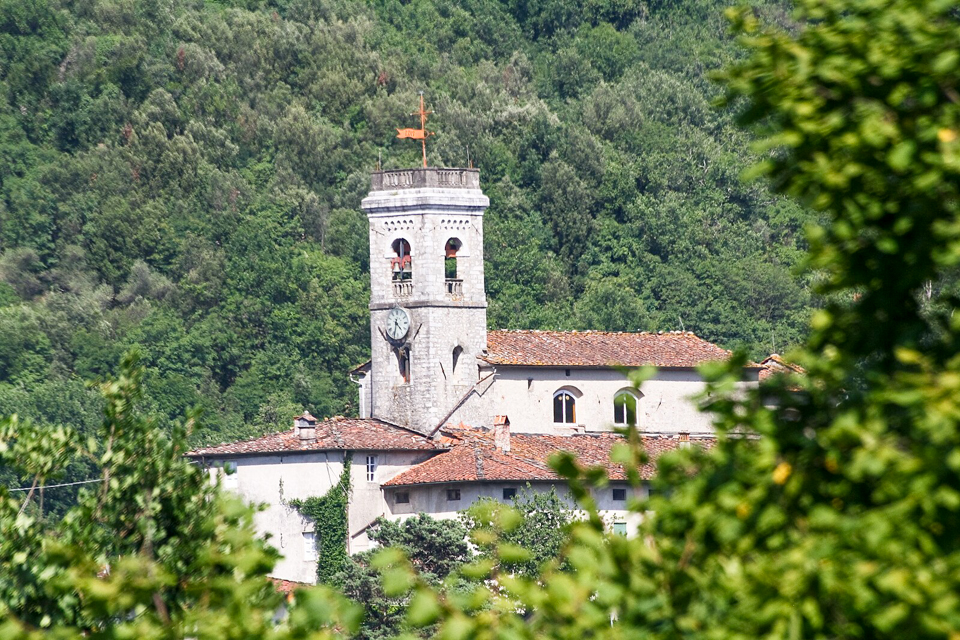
830, 505
151, 550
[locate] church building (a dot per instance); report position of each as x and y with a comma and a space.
451, 411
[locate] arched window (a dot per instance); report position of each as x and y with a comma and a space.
457, 352
450, 258
403, 362
564, 407
401, 264
625, 408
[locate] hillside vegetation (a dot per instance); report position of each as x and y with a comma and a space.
185, 177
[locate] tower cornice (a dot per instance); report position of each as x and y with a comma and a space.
430, 177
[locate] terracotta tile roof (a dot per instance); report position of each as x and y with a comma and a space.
287, 587
471, 462
334, 433
476, 459
363, 367
599, 349
774, 365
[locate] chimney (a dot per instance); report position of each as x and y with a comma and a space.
684, 438
306, 428
501, 433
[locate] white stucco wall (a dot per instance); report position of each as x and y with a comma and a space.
432, 500
364, 392
367, 502
275, 480
525, 395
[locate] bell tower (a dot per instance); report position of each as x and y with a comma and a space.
428, 306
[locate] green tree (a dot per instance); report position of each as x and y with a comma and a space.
839, 520
539, 534
150, 549
436, 549
186, 177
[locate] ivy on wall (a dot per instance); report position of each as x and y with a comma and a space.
329, 514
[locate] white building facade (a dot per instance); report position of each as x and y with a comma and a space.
451, 412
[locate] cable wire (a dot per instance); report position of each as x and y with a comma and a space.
54, 486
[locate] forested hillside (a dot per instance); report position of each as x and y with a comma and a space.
185, 177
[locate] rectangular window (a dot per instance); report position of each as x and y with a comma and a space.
230, 479
620, 528
453, 494
508, 494
619, 495
371, 468
401, 497
309, 546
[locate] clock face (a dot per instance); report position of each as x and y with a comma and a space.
398, 323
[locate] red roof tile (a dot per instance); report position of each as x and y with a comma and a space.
774, 365
335, 433
287, 587
476, 459
363, 367
599, 349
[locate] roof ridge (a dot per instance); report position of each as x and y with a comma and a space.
661, 332
253, 439
395, 426
605, 349
336, 433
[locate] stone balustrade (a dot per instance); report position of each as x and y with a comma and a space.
454, 288
403, 288
434, 177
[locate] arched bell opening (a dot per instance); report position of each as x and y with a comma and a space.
401, 265
451, 268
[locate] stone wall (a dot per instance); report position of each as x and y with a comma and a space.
444, 315
430, 177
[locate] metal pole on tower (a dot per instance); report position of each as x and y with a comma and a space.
423, 126
420, 134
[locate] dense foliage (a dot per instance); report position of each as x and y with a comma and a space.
329, 515
150, 550
437, 551
184, 177
840, 520
435, 548
541, 530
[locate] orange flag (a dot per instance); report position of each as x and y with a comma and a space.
416, 134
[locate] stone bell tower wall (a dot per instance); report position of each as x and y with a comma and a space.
426, 208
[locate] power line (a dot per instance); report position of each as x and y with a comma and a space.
71, 484
54, 486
